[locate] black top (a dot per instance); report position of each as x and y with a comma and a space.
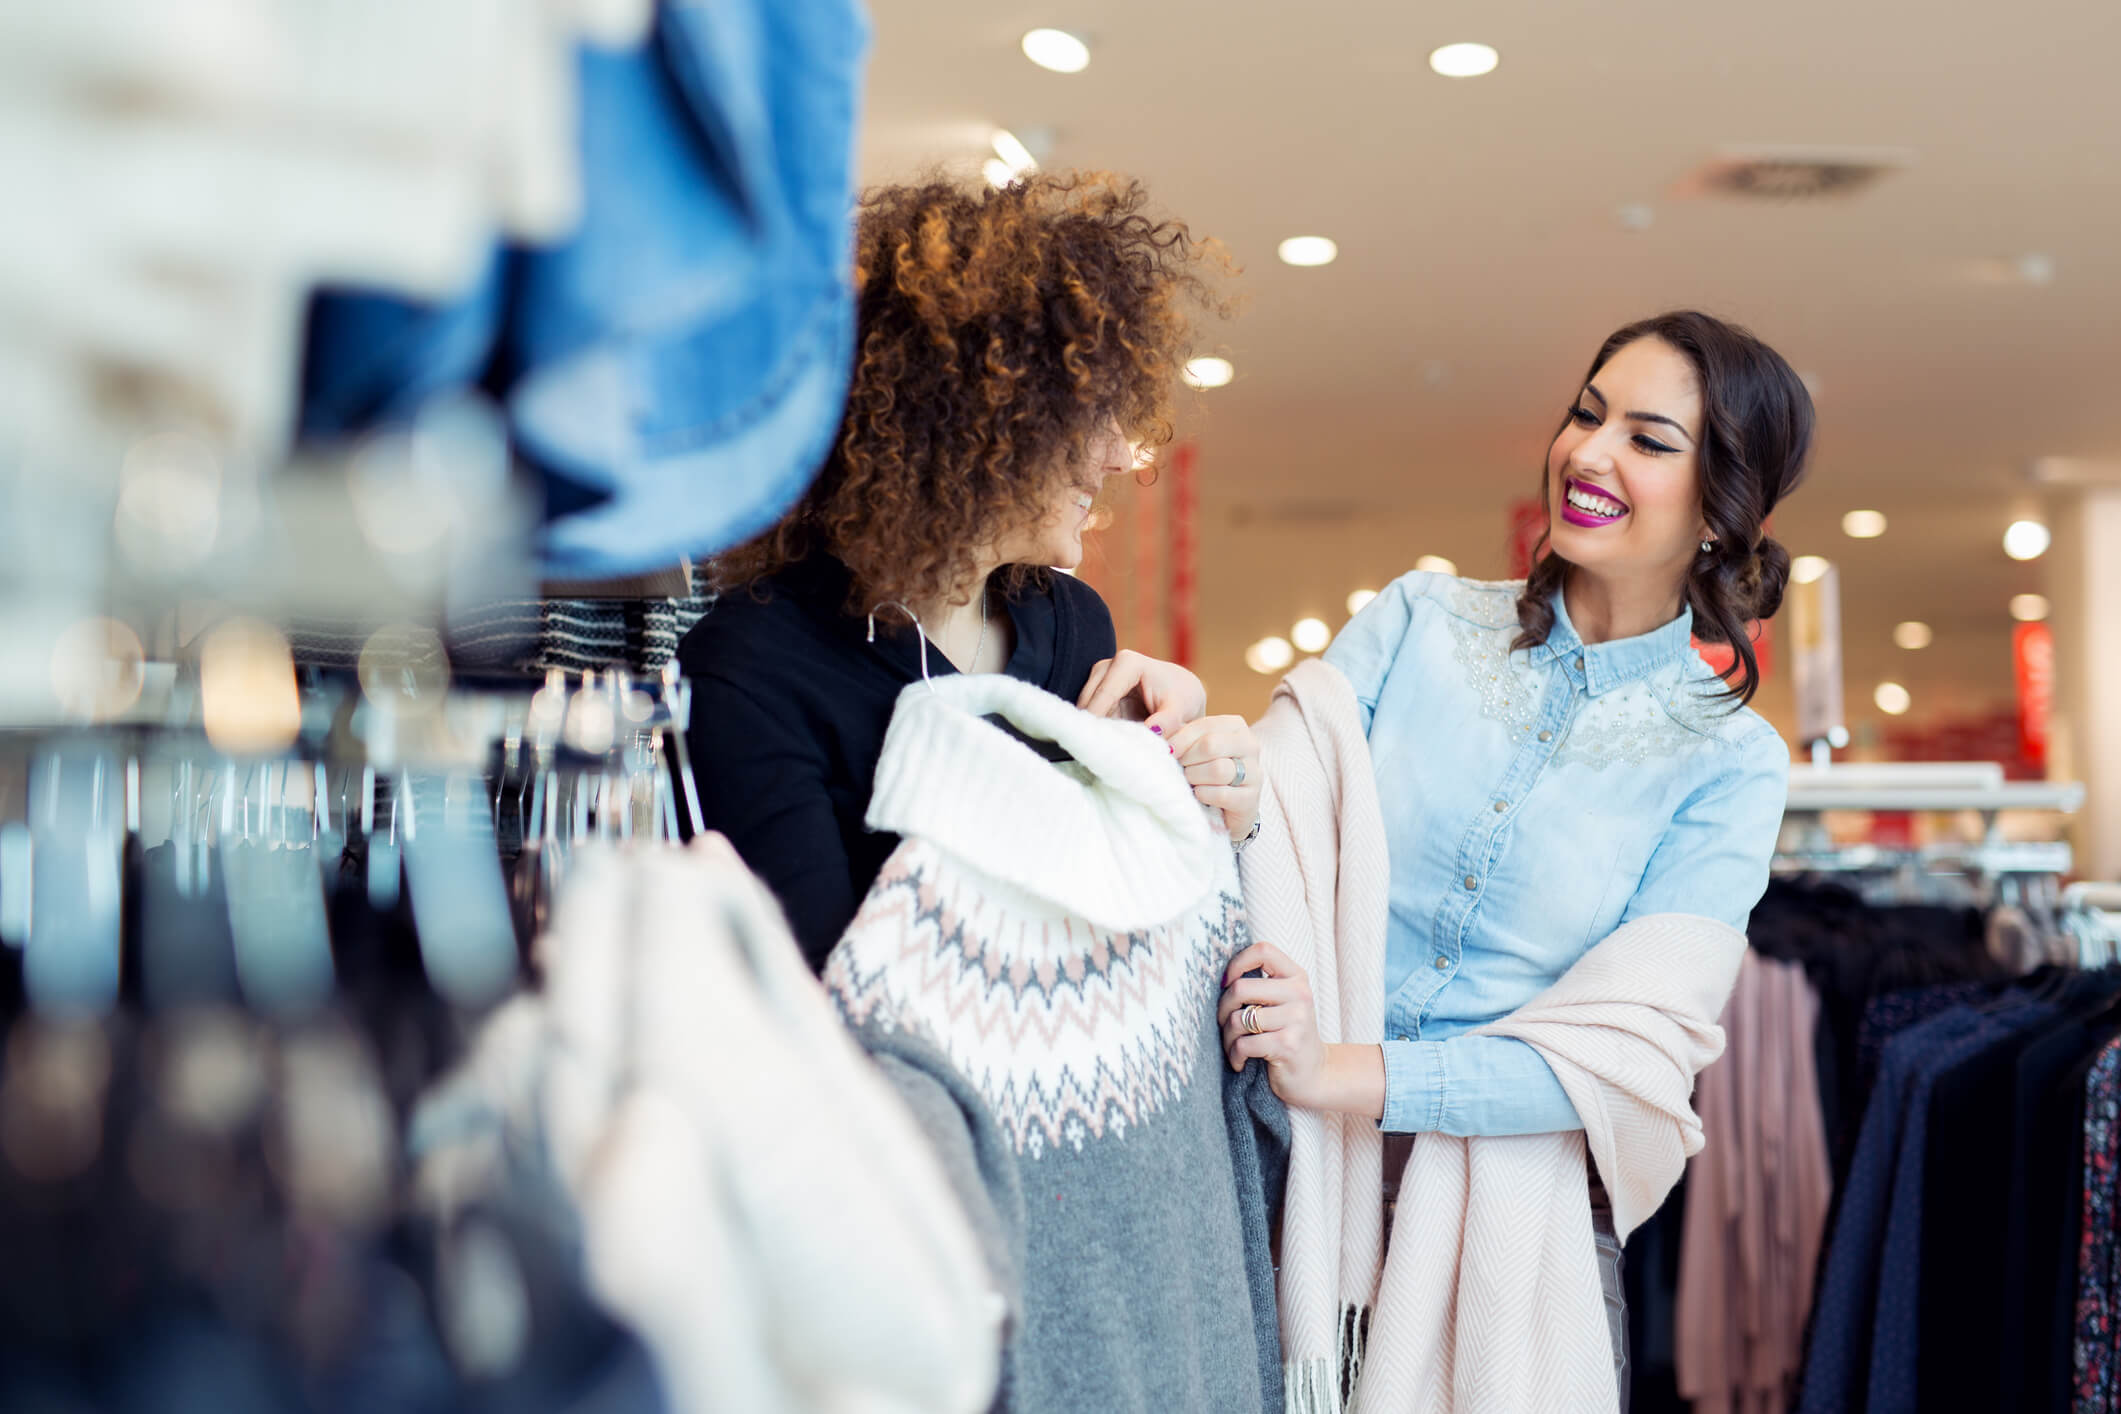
789, 706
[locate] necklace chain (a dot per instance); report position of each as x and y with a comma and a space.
979, 649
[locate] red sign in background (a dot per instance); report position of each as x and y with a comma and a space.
2033, 658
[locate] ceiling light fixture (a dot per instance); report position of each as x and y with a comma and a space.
1464, 61
1436, 564
2029, 608
1311, 635
2026, 540
1913, 634
1360, 600
1010, 148
1308, 250
998, 173
1058, 50
1892, 699
1863, 525
1807, 568
1269, 655
1208, 372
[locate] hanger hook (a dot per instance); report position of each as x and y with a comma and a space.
922, 632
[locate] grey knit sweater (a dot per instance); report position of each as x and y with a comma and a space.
1037, 968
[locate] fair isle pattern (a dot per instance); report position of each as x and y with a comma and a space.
1070, 1033
1652, 720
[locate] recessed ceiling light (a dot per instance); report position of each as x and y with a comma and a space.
1892, 698
1360, 600
2028, 608
1464, 61
1807, 568
1863, 525
998, 173
1269, 655
2026, 540
1435, 564
1308, 250
1208, 372
1010, 148
1311, 635
1913, 634
1058, 50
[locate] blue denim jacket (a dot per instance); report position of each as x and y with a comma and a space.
1534, 801
678, 367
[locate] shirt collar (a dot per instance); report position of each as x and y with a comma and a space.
1600, 667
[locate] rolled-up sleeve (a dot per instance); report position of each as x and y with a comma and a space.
1472, 1085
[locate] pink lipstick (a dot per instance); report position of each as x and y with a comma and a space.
1588, 507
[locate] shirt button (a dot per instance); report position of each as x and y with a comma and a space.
1501, 805
1546, 736
1443, 964
1472, 881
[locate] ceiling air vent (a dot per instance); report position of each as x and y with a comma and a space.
1790, 173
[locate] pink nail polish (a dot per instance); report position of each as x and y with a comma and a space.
1158, 729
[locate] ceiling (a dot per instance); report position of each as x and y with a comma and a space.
1393, 404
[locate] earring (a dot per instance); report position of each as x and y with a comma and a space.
1707, 546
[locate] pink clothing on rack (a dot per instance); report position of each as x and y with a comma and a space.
1757, 1198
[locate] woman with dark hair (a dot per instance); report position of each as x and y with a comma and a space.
1015, 350
1555, 759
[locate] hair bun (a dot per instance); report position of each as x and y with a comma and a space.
1770, 575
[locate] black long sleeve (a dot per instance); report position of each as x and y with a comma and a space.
790, 704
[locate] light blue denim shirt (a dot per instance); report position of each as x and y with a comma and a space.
1534, 801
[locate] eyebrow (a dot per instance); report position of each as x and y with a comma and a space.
1673, 423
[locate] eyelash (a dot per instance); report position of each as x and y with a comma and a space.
1584, 417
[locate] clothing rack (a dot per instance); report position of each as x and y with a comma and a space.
1925, 786
473, 798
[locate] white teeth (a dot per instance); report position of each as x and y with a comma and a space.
1596, 504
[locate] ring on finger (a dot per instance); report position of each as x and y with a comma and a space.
1239, 778
1249, 1017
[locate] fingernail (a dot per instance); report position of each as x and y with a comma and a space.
1157, 728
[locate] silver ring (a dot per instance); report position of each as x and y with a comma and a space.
1250, 1017
1239, 778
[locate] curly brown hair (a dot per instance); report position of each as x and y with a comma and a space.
997, 331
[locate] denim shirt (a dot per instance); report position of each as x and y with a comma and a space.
1534, 801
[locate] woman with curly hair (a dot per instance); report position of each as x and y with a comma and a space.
1015, 349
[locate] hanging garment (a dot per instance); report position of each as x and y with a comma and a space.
752, 1200
2097, 1361
676, 369
1490, 1299
1757, 1198
1038, 967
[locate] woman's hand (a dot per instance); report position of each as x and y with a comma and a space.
1304, 1071
1221, 757
1141, 688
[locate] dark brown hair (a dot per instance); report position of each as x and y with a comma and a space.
1756, 419
996, 332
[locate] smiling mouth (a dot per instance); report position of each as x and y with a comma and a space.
1585, 506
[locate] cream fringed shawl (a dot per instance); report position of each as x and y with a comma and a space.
1491, 1298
